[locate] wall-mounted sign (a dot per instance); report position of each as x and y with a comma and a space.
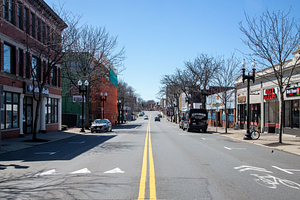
242, 99
78, 98
29, 89
270, 93
293, 92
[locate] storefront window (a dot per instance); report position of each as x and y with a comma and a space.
51, 111
10, 111
231, 115
292, 114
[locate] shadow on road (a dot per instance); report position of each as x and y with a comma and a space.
65, 149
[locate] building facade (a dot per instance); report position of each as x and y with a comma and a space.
26, 24
265, 100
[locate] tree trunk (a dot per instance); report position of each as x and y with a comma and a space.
226, 117
37, 111
282, 110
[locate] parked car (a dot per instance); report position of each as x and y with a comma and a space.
101, 125
157, 119
181, 122
195, 119
146, 117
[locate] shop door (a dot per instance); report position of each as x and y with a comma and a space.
27, 113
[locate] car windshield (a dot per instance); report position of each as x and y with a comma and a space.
100, 121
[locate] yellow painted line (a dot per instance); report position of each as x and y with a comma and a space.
152, 186
144, 170
151, 170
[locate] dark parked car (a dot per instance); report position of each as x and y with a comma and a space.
195, 119
101, 125
157, 119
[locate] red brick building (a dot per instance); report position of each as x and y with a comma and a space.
110, 105
25, 25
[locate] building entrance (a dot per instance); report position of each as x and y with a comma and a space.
27, 114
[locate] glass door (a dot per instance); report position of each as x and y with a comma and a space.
27, 113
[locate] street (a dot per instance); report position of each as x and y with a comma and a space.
146, 159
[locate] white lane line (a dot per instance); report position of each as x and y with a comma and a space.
82, 171
114, 171
52, 171
234, 148
76, 142
49, 153
289, 171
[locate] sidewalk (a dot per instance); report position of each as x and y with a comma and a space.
290, 144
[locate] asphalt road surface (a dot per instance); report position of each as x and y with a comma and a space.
145, 159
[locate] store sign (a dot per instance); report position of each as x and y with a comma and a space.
29, 89
270, 93
242, 99
293, 92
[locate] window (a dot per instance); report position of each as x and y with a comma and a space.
292, 113
43, 33
8, 11
28, 65
26, 20
21, 62
54, 76
44, 71
34, 67
51, 111
231, 115
10, 111
38, 26
32, 25
20, 14
59, 75
9, 59
48, 35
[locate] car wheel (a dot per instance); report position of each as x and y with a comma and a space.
188, 129
204, 130
92, 131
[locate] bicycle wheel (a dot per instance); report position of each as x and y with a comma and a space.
255, 134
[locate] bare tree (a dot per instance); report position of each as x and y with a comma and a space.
224, 80
272, 38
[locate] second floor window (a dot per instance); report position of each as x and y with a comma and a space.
20, 14
9, 59
32, 25
8, 10
26, 20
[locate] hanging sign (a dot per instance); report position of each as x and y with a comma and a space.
270, 93
293, 92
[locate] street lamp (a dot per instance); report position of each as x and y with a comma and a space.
248, 78
103, 100
203, 95
119, 110
86, 83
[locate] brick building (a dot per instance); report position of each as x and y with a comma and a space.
25, 27
108, 86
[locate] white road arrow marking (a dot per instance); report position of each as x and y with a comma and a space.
52, 171
289, 171
49, 153
114, 171
82, 171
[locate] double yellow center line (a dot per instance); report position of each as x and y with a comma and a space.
143, 180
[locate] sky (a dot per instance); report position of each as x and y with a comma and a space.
160, 35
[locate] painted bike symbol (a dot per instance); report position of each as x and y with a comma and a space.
272, 181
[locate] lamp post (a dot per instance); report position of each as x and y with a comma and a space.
203, 95
103, 100
81, 90
248, 78
119, 109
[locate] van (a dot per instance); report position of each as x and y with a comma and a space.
195, 119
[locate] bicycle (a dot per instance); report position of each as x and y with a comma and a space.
254, 134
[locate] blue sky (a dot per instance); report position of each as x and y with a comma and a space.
160, 35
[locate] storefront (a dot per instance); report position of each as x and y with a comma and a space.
271, 110
291, 120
